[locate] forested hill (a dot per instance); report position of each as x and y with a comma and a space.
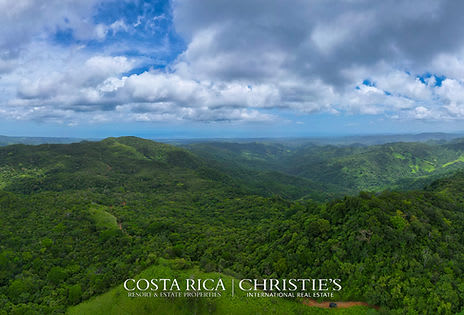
78, 219
305, 171
339, 169
141, 164
126, 163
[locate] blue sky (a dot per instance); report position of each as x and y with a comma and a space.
179, 69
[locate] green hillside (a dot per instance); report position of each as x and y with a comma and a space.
379, 167
333, 171
262, 168
76, 220
124, 163
116, 300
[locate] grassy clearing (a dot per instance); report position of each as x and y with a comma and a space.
116, 300
103, 220
459, 159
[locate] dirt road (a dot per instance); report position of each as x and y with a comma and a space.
342, 304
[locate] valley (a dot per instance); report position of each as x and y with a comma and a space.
386, 223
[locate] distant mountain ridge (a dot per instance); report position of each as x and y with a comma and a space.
326, 140
288, 141
304, 168
7, 140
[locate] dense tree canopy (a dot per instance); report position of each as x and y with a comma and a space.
76, 219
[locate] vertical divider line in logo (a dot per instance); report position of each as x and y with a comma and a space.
232, 287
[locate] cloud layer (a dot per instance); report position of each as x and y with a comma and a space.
74, 61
